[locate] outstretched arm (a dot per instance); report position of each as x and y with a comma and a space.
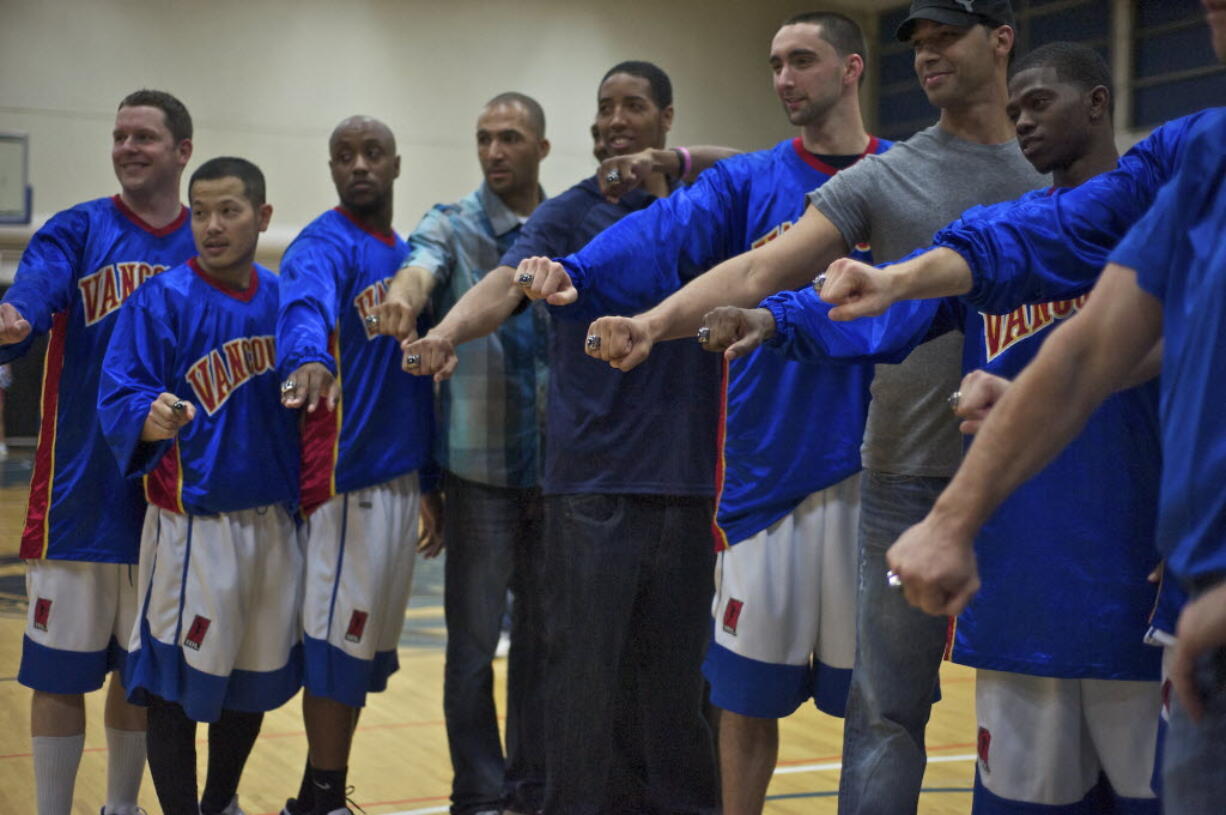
1080, 365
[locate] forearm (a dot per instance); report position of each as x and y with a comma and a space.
413, 285
482, 309
671, 161
1148, 368
937, 273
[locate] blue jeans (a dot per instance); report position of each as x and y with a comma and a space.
629, 604
898, 656
1194, 757
494, 542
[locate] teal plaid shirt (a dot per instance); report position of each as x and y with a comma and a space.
490, 410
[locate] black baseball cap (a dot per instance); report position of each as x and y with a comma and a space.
957, 12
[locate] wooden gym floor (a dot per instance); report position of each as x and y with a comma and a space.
400, 763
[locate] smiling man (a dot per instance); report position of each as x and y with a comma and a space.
82, 534
627, 516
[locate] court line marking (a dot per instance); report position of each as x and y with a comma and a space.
804, 768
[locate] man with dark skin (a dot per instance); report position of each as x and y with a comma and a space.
367, 430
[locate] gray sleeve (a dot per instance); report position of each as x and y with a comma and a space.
844, 201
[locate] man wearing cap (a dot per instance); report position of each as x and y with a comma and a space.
895, 201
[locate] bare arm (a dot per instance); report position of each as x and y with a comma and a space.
633, 169
860, 290
480, 311
407, 295
1080, 365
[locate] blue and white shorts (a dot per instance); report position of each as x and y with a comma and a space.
785, 611
360, 549
220, 623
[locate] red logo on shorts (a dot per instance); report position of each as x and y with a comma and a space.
357, 625
732, 615
195, 634
42, 613
985, 744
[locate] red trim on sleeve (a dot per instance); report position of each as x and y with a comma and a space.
34, 539
164, 485
386, 238
822, 167
721, 463
143, 224
245, 295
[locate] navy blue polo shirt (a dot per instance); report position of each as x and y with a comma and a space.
651, 430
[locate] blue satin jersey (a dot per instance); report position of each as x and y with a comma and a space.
1179, 254
183, 333
787, 429
332, 275
77, 271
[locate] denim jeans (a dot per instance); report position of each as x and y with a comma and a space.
494, 542
898, 655
1194, 758
629, 604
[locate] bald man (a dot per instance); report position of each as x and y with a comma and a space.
367, 431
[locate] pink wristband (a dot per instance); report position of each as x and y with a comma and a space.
687, 161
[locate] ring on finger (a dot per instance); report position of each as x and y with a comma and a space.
954, 400
288, 386
412, 360
179, 406
372, 320
704, 335
893, 580
613, 176
592, 342
525, 278
818, 282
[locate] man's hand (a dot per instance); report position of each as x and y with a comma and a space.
308, 386
432, 355
856, 289
937, 567
623, 342
736, 331
977, 395
627, 172
396, 317
430, 538
166, 415
1201, 629
542, 279
13, 327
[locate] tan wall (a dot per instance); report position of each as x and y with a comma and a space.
267, 80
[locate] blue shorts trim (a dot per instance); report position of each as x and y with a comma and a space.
750, 687
830, 689
1098, 800
332, 673
53, 670
160, 669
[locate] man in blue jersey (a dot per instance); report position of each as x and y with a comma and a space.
1058, 706
189, 402
627, 518
788, 499
894, 201
489, 448
82, 534
367, 431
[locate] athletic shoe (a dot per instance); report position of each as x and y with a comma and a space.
133, 811
291, 807
232, 808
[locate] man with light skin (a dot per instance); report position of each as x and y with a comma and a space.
83, 528
789, 498
489, 448
895, 202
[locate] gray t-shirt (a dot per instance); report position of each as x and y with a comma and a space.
896, 201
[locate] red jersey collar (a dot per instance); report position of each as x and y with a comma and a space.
245, 295
386, 238
822, 167
139, 221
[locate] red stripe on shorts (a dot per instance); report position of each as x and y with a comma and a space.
38, 521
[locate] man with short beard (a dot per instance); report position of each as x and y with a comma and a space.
367, 431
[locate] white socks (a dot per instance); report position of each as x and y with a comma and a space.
56, 759
125, 766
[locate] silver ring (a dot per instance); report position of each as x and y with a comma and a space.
525, 279
288, 385
179, 406
593, 342
704, 335
954, 400
412, 360
372, 320
893, 580
818, 282
613, 176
